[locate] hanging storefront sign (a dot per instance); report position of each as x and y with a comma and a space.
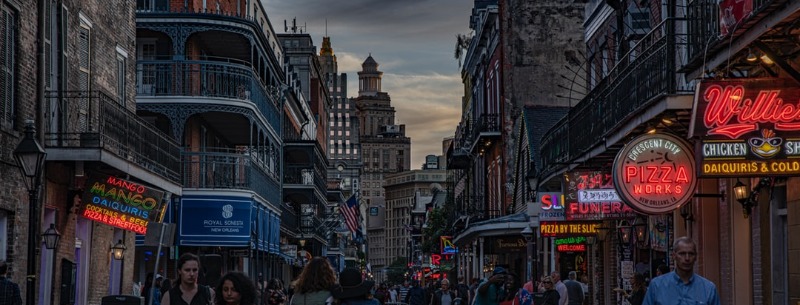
655, 173
571, 248
120, 203
552, 206
564, 229
447, 246
731, 13
216, 221
748, 127
590, 195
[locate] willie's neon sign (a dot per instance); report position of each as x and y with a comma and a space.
731, 113
746, 127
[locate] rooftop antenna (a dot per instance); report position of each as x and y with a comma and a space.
285, 27
326, 27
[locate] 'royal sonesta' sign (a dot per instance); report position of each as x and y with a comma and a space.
748, 127
655, 174
120, 203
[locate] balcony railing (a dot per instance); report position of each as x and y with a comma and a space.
486, 123
289, 219
212, 78
230, 169
94, 119
303, 176
630, 87
703, 26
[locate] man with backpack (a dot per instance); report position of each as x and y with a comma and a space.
463, 291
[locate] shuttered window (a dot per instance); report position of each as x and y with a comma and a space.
8, 47
84, 72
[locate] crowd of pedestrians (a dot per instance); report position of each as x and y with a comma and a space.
317, 284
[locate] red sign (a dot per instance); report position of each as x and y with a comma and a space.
591, 195
731, 13
571, 248
121, 203
655, 173
748, 127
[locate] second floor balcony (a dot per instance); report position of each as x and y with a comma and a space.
632, 86
94, 126
231, 169
225, 80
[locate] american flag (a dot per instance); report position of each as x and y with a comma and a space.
350, 213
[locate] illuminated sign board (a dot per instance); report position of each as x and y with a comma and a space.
552, 206
561, 229
590, 195
748, 127
570, 240
120, 203
571, 248
655, 173
447, 246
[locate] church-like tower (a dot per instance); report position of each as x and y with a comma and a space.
385, 150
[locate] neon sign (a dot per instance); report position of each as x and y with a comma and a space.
121, 203
655, 173
552, 206
560, 229
748, 127
447, 246
571, 248
590, 195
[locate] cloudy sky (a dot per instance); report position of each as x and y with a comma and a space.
413, 41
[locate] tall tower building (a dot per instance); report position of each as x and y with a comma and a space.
344, 148
386, 148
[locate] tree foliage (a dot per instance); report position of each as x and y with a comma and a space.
396, 271
436, 227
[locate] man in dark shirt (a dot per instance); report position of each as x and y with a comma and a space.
574, 289
9, 291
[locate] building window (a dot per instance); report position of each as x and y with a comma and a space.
8, 65
84, 71
122, 59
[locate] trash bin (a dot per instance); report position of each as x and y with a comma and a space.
122, 300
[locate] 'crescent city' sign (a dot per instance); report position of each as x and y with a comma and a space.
655, 173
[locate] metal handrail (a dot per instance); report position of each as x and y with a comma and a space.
207, 78
230, 170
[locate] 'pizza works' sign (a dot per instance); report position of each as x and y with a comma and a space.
748, 127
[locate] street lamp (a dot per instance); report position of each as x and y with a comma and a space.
30, 155
118, 250
51, 237
527, 233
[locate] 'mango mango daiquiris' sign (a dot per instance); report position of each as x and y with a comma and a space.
121, 203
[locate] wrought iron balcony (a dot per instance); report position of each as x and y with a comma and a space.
703, 25
304, 176
226, 168
487, 125
289, 219
460, 156
221, 78
77, 120
631, 86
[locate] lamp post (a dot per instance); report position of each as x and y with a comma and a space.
30, 155
118, 253
51, 237
527, 233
